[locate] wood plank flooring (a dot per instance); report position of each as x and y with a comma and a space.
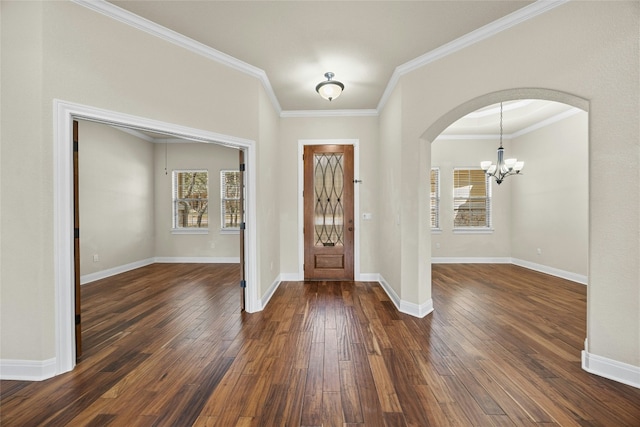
166, 345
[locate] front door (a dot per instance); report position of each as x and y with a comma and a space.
328, 212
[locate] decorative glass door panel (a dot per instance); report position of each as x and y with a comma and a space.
328, 212
329, 193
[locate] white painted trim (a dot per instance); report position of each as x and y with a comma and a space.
482, 33
416, 310
368, 277
611, 369
272, 289
470, 260
391, 293
547, 122
27, 370
356, 200
290, 277
406, 307
574, 277
198, 260
329, 113
103, 274
63, 115
563, 274
536, 126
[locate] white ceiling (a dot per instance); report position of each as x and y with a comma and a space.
362, 42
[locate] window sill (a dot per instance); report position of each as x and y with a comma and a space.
229, 231
473, 231
436, 231
190, 231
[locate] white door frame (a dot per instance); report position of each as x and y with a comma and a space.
356, 200
64, 113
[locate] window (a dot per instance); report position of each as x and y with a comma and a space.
230, 188
471, 199
190, 199
435, 198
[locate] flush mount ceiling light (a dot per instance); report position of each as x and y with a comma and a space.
331, 89
503, 168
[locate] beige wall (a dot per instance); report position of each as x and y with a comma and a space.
210, 157
589, 50
390, 253
450, 154
550, 204
116, 198
269, 196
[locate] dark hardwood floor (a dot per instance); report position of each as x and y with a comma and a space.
167, 345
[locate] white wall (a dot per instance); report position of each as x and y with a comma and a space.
212, 158
116, 198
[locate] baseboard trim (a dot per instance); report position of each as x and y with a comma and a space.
406, 307
92, 277
471, 260
27, 370
368, 277
198, 260
578, 278
611, 369
272, 289
574, 277
290, 277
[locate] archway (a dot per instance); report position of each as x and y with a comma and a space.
438, 126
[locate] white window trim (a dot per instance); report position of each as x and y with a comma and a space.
223, 229
473, 230
189, 230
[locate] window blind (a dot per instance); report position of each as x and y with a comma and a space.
471, 199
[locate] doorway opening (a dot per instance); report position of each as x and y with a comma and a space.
64, 115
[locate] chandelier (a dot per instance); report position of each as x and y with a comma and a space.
329, 89
503, 168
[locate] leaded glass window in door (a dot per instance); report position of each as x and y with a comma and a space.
329, 203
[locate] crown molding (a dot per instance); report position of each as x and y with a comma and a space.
112, 11
541, 124
329, 113
475, 36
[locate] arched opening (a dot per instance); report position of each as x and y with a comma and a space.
523, 200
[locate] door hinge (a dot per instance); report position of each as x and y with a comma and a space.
243, 226
243, 283
76, 233
77, 319
75, 146
242, 167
